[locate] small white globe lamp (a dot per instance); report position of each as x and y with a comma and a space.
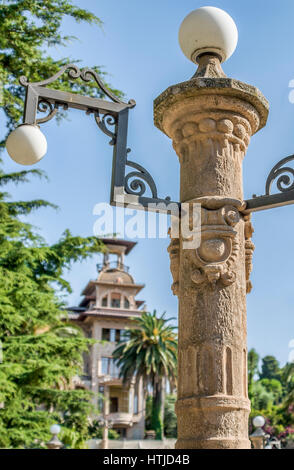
55, 443
55, 429
26, 145
258, 436
258, 421
208, 30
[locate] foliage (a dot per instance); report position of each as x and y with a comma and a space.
41, 355
28, 29
41, 352
149, 352
148, 412
270, 368
253, 359
288, 378
95, 431
272, 396
170, 417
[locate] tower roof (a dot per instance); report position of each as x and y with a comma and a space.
118, 242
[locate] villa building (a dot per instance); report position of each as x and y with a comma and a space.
109, 304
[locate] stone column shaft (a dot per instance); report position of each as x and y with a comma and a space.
210, 121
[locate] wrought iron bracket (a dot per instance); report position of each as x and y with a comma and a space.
282, 175
128, 189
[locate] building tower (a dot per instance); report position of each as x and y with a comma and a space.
108, 307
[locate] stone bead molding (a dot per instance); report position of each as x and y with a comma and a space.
212, 131
215, 257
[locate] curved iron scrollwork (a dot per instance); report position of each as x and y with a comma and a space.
283, 175
74, 72
45, 106
137, 186
111, 121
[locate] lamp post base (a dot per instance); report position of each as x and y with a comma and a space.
213, 444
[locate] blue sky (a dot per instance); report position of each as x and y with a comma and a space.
138, 47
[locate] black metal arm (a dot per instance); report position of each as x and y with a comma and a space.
130, 188
283, 175
112, 118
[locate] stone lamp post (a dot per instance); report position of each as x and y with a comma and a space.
258, 436
54, 443
210, 119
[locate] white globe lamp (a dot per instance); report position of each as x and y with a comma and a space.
208, 30
258, 421
26, 145
55, 429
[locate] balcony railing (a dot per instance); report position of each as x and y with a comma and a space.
120, 418
113, 265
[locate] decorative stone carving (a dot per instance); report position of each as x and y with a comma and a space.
249, 250
217, 253
174, 254
215, 126
210, 121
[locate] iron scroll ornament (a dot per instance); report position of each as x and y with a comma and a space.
86, 75
283, 176
137, 186
111, 116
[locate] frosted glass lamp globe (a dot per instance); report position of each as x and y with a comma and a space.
55, 429
258, 421
26, 145
208, 29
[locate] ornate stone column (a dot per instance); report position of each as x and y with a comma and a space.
210, 120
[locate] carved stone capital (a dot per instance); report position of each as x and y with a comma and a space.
211, 129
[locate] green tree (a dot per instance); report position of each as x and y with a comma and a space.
288, 379
96, 431
28, 28
253, 360
274, 387
270, 368
261, 398
272, 396
149, 352
41, 351
170, 417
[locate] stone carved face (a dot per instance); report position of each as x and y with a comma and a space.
218, 247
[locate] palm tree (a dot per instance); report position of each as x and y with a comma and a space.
288, 376
149, 352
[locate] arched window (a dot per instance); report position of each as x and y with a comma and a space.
126, 303
115, 300
104, 302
